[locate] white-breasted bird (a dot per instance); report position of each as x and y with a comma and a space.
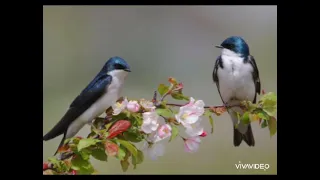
237, 78
102, 92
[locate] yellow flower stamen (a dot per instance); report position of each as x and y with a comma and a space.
166, 130
185, 116
118, 105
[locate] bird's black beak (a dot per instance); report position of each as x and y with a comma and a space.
218, 46
128, 70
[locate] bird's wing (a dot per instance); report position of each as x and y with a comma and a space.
255, 75
80, 104
218, 64
215, 70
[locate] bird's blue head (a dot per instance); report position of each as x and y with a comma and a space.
235, 44
115, 63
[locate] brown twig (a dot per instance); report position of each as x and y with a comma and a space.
206, 107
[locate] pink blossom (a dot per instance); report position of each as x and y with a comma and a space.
164, 131
118, 107
133, 106
147, 105
192, 144
190, 113
154, 151
153, 137
150, 122
194, 129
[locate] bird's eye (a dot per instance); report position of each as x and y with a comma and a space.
229, 46
118, 66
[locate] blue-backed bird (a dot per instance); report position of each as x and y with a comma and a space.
236, 76
101, 93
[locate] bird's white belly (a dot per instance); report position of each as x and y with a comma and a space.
96, 109
235, 80
236, 84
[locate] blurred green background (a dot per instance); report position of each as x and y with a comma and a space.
158, 42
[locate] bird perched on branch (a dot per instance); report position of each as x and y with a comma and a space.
237, 78
101, 93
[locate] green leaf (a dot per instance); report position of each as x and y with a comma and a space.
90, 135
66, 141
269, 103
128, 114
81, 165
178, 96
270, 107
64, 167
249, 105
122, 115
75, 140
55, 162
254, 117
108, 125
245, 118
271, 96
121, 154
133, 137
264, 124
84, 143
99, 154
263, 115
124, 165
164, 112
85, 154
211, 123
138, 159
162, 89
105, 134
272, 124
207, 113
128, 146
59, 165
238, 116
137, 121
174, 132
95, 130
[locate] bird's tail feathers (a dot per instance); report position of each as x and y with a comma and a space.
237, 137
242, 132
247, 137
52, 134
57, 130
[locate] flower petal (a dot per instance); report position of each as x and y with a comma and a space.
194, 129
146, 128
199, 103
192, 144
191, 119
155, 151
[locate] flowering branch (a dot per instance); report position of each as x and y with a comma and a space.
132, 121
